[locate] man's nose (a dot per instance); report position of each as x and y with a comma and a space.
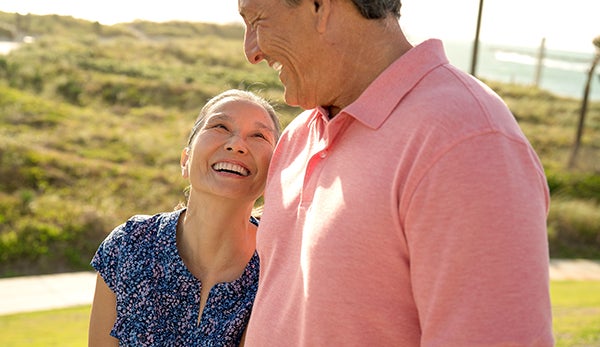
251, 49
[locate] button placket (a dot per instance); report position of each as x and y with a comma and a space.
320, 136
325, 133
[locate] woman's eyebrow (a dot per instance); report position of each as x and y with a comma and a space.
219, 117
264, 126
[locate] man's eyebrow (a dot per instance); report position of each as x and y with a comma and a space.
242, 11
247, 12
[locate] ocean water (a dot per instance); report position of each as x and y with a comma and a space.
563, 73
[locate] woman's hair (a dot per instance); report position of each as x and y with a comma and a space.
234, 94
370, 9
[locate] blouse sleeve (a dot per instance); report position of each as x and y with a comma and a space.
106, 259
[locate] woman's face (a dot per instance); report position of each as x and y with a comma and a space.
230, 154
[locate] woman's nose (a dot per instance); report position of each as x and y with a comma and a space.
236, 144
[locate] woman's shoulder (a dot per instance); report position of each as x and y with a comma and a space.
135, 237
144, 227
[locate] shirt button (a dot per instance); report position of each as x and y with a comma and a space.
323, 154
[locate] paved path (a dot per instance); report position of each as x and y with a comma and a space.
45, 292
578, 269
37, 293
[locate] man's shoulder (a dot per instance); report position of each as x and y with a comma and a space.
304, 117
301, 121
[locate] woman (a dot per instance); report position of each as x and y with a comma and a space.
189, 277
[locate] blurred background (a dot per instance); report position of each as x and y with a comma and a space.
96, 99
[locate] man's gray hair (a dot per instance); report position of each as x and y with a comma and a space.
370, 9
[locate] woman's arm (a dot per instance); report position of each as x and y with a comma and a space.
243, 337
103, 316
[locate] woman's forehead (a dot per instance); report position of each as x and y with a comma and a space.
236, 107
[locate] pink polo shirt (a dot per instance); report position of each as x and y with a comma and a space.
415, 217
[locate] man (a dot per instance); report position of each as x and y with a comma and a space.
405, 207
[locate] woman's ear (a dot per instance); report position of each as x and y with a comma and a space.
185, 157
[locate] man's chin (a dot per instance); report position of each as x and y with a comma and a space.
290, 99
293, 100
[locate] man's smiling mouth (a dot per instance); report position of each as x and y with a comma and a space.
277, 66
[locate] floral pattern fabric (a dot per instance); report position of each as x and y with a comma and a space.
158, 299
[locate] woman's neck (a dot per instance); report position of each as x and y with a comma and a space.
215, 239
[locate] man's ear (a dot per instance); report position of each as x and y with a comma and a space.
322, 9
185, 157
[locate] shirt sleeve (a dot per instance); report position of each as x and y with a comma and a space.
106, 258
478, 243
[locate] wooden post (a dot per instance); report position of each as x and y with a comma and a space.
17, 34
476, 43
540, 63
583, 111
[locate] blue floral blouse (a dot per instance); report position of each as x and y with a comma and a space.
158, 299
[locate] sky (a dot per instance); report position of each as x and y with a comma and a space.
565, 25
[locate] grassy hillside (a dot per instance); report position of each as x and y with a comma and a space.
93, 118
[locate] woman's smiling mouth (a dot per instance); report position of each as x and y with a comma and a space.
231, 168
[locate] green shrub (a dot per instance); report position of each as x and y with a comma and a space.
574, 228
581, 185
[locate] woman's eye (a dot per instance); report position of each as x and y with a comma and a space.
220, 126
263, 136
